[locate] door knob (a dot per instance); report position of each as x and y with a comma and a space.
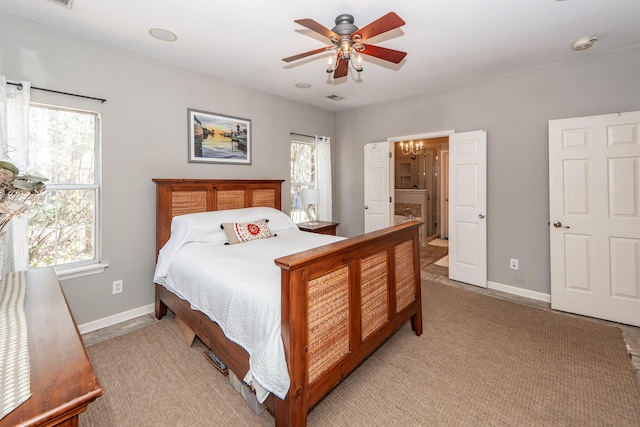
481, 215
558, 224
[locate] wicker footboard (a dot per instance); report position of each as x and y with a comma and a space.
341, 302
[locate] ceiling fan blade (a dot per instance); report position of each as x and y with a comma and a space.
342, 67
315, 26
390, 55
305, 54
381, 25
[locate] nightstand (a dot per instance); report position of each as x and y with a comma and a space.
322, 227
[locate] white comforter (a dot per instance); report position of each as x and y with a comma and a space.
237, 286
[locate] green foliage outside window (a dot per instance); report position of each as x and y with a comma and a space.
303, 175
63, 147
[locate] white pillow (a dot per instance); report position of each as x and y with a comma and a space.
206, 227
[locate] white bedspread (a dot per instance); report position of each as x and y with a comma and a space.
238, 287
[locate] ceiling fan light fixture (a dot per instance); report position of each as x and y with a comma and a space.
342, 57
347, 40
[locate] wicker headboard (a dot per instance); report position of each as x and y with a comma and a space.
185, 196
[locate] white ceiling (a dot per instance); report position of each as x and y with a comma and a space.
449, 42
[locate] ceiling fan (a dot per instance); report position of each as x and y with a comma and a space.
348, 39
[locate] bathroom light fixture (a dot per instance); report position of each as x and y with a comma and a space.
163, 35
411, 149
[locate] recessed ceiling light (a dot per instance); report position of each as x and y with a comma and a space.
584, 43
303, 85
164, 35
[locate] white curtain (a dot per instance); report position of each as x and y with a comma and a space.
325, 206
14, 137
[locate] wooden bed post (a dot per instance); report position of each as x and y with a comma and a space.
292, 410
161, 307
416, 319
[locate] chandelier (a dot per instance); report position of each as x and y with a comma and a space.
411, 149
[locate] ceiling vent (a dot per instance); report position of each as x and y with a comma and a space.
65, 3
335, 98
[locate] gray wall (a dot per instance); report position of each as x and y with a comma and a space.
145, 128
144, 137
515, 110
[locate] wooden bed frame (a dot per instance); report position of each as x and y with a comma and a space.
340, 302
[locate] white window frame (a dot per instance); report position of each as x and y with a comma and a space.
93, 266
297, 215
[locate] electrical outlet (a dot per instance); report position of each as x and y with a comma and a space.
513, 264
117, 287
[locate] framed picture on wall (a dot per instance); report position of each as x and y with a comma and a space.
216, 138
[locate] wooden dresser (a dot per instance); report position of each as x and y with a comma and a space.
63, 382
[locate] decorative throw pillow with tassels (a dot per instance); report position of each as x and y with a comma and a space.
243, 232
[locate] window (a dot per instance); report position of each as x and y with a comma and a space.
64, 147
303, 175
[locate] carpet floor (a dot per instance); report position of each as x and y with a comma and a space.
481, 361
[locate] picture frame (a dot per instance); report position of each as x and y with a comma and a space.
218, 138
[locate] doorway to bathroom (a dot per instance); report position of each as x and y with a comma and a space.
465, 207
461, 220
421, 182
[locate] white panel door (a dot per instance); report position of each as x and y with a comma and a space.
594, 207
467, 207
377, 204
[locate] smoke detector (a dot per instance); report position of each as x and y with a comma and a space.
65, 3
584, 43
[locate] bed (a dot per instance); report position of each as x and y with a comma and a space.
338, 302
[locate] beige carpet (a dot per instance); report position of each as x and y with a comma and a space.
481, 361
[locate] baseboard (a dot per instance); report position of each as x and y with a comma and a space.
514, 290
147, 309
116, 318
